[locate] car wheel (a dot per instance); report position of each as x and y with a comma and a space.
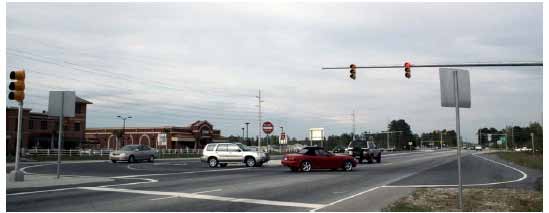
306, 166
113, 161
378, 158
131, 159
250, 162
151, 158
212, 162
347, 166
223, 164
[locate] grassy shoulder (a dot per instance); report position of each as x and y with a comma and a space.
474, 200
526, 159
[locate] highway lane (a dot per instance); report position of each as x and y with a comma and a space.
192, 186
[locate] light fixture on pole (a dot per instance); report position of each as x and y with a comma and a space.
123, 126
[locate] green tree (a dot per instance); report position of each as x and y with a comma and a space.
401, 141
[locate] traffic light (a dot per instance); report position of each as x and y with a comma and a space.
17, 87
353, 71
407, 70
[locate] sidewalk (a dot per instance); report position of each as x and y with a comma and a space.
87, 161
51, 180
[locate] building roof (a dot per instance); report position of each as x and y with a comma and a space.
81, 100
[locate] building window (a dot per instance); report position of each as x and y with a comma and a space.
76, 126
31, 124
77, 108
43, 124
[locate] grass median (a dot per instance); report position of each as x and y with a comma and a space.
527, 159
474, 200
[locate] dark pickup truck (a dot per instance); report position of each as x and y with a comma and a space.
364, 150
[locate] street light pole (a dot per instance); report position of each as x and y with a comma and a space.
123, 126
242, 134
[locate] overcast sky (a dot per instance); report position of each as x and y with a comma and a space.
175, 63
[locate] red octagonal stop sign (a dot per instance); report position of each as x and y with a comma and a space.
268, 127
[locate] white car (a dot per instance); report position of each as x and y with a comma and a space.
223, 153
478, 148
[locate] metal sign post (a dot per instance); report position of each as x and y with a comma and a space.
62, 104
456, 92
60, 139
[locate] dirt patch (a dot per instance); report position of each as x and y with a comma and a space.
474, 200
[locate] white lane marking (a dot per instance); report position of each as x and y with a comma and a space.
33, 192
27, 167
170, 164
162, 198
176, 173
344, 199
130, 166
524, 176
209, 197
215, 190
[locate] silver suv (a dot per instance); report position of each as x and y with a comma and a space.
220, 154
132, 153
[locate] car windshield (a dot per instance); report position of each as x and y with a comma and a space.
128, 148
244, 147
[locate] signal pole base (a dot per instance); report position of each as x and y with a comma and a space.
16, 176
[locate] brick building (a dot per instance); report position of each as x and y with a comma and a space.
41, 131
194, 136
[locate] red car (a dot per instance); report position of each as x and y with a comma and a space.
317, 158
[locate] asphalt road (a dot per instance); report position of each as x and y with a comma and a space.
188, 185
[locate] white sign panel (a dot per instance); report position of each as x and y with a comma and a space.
316, 134
61, 99
447, 88
162, 139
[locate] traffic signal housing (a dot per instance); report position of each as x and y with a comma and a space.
353, 71
407, 70
17, 87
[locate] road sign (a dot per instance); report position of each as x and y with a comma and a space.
283, 139
447, 88
61, 100
410, 143
268, 127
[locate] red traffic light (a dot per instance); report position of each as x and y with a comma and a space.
353, 71
407, 70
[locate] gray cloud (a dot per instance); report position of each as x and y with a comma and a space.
173, 63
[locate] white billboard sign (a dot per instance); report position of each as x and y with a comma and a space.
447, 87
61, 100
316, 134
162, 139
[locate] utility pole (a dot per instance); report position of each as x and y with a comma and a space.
533, 148
353, 124
247, 123
259, 120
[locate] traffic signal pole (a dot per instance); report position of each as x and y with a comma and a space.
521, 64
18, 175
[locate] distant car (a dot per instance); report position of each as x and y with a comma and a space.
223, 153
364, 150
338, 149
310, 158
133, 153
478, 148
